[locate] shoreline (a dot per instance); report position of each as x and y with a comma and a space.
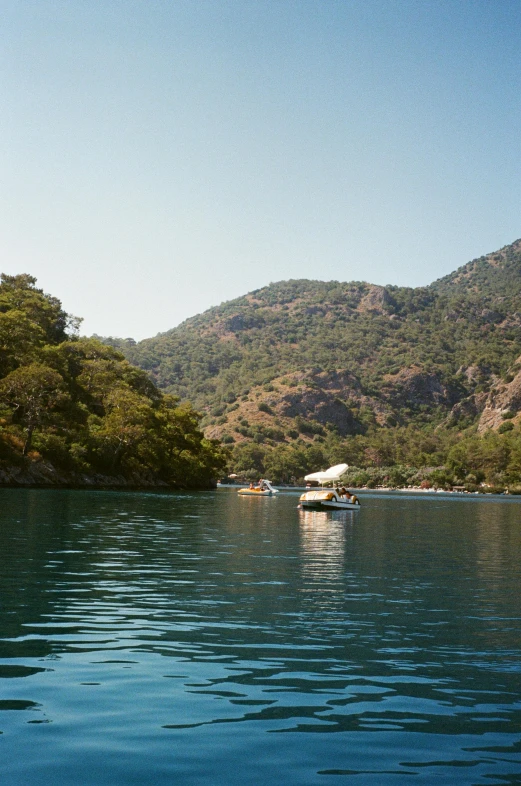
43, 475
392, 490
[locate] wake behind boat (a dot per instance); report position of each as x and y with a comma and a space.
337, 498
262, 489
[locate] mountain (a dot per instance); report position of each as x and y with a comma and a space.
344, 355
306, 372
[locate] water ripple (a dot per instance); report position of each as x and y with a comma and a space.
193, 639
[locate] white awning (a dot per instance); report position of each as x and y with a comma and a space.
330, 475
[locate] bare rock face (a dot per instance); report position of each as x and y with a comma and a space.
376, 300
469, 408
341, 382
414, 387
472, 373
320, 405
323, 396
503, 398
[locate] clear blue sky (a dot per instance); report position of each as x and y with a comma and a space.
162, 156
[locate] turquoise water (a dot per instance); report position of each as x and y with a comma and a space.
218, 640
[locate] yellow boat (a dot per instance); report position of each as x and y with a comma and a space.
329, 499
262, 489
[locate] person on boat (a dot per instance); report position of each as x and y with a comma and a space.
352, 498
344, 493
251, 486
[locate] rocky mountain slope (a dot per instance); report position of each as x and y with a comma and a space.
300, 358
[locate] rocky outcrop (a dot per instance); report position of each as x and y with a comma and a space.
320, 406
414, 387
376, 300
467, 410
503, 399
331, 397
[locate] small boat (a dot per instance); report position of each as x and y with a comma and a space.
329, 498
262, 489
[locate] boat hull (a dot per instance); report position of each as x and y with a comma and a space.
330, 505
264, 489
253, 493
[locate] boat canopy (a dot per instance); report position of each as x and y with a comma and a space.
331, 475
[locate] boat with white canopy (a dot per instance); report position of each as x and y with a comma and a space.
334, 498
262, 489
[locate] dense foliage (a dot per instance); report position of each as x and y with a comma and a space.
82, 407
395, 458
301, 374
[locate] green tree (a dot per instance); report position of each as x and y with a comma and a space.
20, 340
34, 393
19, 293
127, 422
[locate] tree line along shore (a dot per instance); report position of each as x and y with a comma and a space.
413, 388
75, 412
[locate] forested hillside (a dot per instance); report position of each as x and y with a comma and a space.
302, 373
74, 411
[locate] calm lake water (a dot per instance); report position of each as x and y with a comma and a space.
217, 640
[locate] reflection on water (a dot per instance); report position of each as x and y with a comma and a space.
322, 546
216, 639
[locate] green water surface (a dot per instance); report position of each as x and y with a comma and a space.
222, 640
